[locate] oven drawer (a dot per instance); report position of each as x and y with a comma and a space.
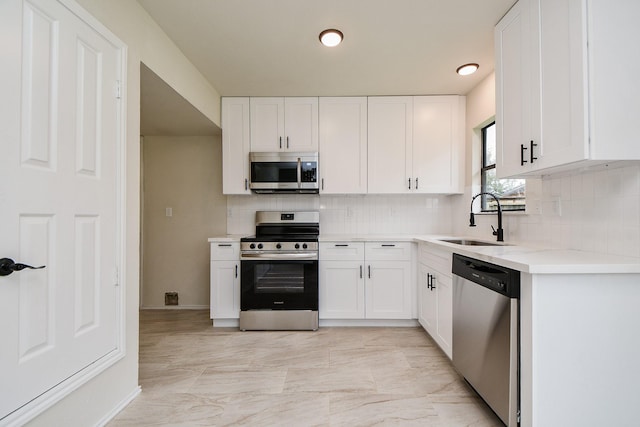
388, 251
224, 250
341, 251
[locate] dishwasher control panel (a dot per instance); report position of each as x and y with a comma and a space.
495, 277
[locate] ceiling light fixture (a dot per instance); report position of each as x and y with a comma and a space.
331, 37
466, 69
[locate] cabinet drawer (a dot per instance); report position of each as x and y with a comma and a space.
341, 251
388, 251
225, 251
437, 259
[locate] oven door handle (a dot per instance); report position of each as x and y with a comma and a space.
279, 256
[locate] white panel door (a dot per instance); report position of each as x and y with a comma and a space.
389, 130
267, 124
388, 290
59, 198
225, 289
301, 124
341, 290
438, 144
235, 146
343, 145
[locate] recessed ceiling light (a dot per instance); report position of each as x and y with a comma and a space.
331, 37
466, 69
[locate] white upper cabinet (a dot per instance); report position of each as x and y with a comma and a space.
566, 88
284, 124
390, 127
437, 160
235, 146
343, 145
416, 144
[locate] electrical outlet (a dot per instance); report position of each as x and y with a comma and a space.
168, 211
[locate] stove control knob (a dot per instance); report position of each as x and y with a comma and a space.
252, 246
259, 245
304, 246
278, 246
297, 246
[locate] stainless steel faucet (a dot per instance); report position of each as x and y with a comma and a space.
472, 223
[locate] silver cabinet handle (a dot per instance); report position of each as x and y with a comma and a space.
388, 246
246, 184
322, 185
361, 272
281, 143
299, 172
409, 183
416, 183
369, 272
224, 245
287, 142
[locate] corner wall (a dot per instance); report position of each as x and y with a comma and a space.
185, 175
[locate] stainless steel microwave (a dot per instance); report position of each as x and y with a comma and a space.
284, 172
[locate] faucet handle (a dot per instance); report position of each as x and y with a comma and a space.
495, 232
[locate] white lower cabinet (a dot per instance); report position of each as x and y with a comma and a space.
435, 295
369, 280
225, 280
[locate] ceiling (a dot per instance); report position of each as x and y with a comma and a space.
391, 47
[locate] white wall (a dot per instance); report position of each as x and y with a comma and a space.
184, 174
95, 401
595, 209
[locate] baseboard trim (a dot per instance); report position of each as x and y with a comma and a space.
119, 407
175, 307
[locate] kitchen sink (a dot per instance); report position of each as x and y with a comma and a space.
467, 242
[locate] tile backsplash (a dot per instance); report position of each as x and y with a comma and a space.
595, 210
350, 214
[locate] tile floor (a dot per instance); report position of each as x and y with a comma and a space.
194, 375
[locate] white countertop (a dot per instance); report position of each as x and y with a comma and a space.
528, 259
537, 260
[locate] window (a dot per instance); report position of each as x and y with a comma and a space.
511, 192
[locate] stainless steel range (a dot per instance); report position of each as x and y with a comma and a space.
279, 281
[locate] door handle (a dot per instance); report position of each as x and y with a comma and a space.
532, 158
8, 266
522, 150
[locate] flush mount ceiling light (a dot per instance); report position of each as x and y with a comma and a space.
331, 37
466, 69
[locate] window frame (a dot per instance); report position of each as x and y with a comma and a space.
485, 169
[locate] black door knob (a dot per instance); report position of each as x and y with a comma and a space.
8, 266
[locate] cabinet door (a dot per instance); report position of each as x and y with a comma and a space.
343, 145
427, 308
517, 90
235, 146
563, 47
341, 290
267, 124
301, 124
444, 295
438, 144
388, 290
225, 289
390, 123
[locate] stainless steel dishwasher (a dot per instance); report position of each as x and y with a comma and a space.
486, 333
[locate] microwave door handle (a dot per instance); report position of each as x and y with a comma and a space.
299, 172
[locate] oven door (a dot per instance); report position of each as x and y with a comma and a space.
268, 284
